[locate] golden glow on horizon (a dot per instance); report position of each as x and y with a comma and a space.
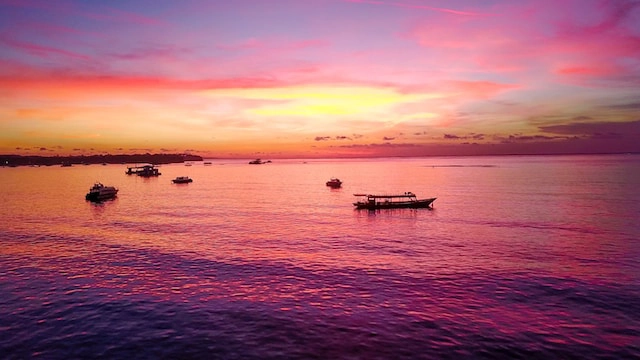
321, 100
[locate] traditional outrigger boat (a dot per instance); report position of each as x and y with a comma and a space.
406, 200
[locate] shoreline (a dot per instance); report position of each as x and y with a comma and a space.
32, 160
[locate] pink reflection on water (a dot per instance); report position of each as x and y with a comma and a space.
496, 255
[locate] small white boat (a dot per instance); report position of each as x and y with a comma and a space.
182, 180
334, 183
99, 192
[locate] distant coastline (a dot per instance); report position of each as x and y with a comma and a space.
22, 160
34, 160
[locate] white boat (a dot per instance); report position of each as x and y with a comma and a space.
182, 180
99, 192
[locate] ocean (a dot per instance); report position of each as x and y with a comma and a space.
530, 257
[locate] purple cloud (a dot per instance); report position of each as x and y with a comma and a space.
418, 7
631, 128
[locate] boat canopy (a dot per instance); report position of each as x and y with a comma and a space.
405, 195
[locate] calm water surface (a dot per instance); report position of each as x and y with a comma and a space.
521, 257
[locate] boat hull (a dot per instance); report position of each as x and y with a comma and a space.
97, 196
423, 203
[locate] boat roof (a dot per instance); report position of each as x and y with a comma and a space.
387, 196
141, 166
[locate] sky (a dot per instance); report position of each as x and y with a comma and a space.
319, 78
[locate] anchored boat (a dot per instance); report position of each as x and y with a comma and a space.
182, 180
144, 171
259, 162
99, 192
406, 200
334, 183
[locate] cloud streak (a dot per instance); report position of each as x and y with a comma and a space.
614, 129
418, 7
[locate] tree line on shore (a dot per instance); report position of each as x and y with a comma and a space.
22, 160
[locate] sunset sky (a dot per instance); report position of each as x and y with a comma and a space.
319, 78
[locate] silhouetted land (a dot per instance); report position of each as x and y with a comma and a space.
18, 160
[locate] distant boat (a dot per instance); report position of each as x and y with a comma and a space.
99, 192
406, 200
207, 163
144, 171
188, 164
182, 180
334, 183
256, 162
66, 164
134, 170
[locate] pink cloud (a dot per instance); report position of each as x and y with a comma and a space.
480, 89
23, 77
589, 70
532, 42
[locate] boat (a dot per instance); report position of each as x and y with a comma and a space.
259, 162
149, 171
99, 192
134, 170
406, 200
334, 183
144, 171
206, 163
182, 180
